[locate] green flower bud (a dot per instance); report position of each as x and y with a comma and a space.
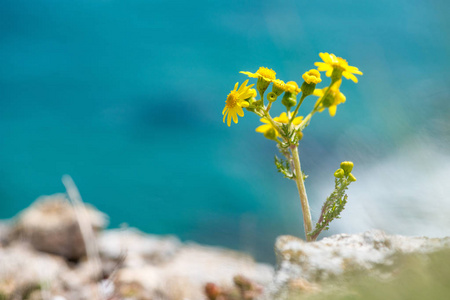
262, 85
311, 78
347, 166
289, 100
339, 173
308, 88
300, 135
271, 134
272, 97
351, 178
278, 87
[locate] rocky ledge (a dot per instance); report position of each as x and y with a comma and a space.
43, 256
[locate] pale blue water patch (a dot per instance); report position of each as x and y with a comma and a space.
126, 97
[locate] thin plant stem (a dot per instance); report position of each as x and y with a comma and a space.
296, 109
307, 222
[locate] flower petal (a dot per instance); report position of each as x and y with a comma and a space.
235, 118
318, 92
249, 74
349, 75
263, 128
297, 120
332, 110
239, 111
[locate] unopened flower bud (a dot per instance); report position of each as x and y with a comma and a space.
278, 87
300, 135
339, 173
289, 100
351, 177
311, 78
272, 97
271, 134
347, 166
262, 85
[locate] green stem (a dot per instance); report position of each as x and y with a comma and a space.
274, 125
296, 109
307, 222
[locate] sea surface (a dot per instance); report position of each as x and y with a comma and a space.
126, 97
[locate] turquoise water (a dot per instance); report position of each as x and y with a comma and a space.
126, 97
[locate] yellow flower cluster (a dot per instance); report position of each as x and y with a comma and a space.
329, 97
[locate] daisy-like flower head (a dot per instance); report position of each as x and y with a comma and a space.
332, 62
283, 118
332, 99
292, 87
236, 101
263, 73
312, 76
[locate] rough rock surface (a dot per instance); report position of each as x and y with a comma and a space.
22, 269
44, 258
185, 276
5, 232
50, 225
135, 249
305, 265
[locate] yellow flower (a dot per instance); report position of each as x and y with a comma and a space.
236, 100
292, 87
332, 62
263, 73
332, 100
283, 118
312, 76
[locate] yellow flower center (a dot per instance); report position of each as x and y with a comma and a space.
340, 63
232, 98
267, 73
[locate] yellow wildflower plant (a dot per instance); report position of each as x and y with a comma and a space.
333, 98
263, 73
286, 129
332, 62
236, 101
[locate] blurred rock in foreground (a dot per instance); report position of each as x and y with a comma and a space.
42, 256
343, 265
50, 225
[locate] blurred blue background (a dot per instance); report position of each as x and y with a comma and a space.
126, 96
